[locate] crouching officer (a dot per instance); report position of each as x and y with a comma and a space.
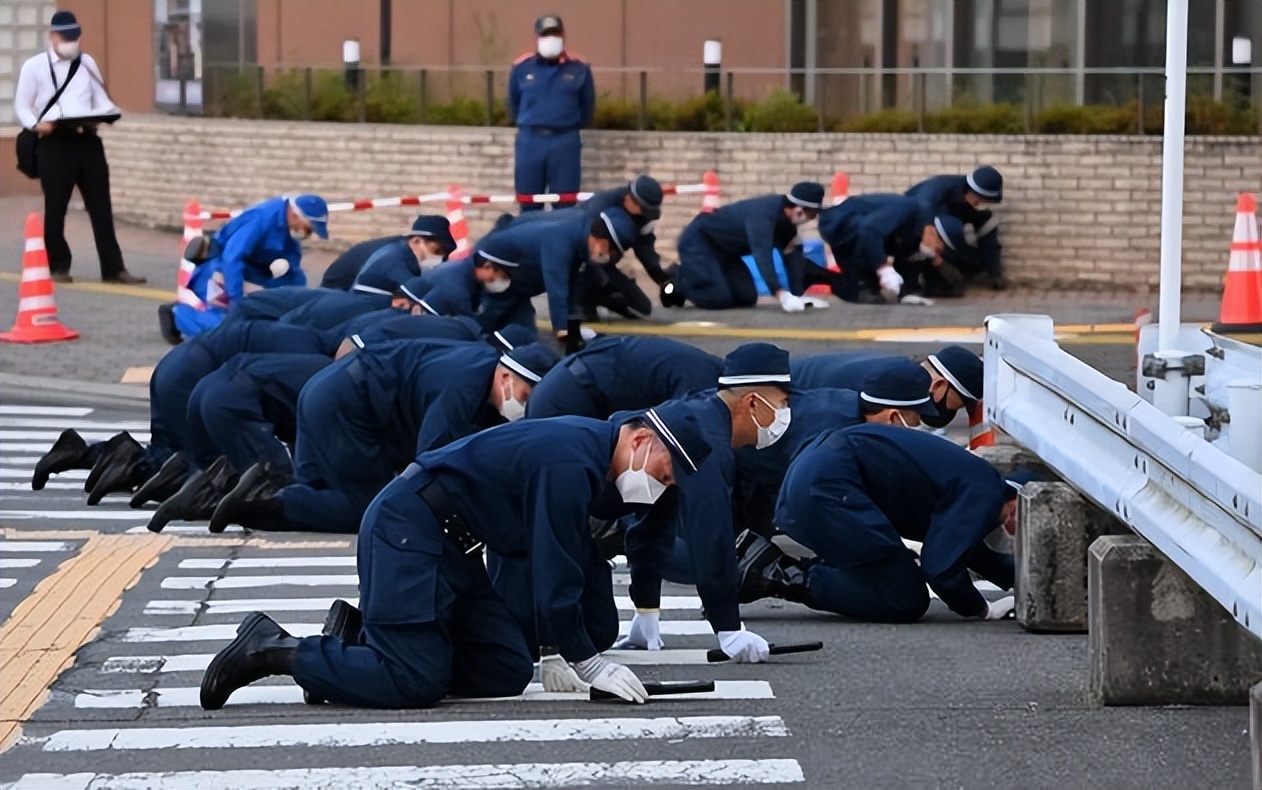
456, 288
852, 496
426, 246
262, 246
955, 376
711, 273
967, 199
433, 625
615, 374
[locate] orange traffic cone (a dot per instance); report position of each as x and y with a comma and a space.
459, 226
192, 230
980, 432
841, 191
37, 310
710, 197
1241, 309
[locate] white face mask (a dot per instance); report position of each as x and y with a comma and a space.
431, 262
68, 50
927, 252
636, 486
497, 286
551, 47
511, 409
775, 431
299, 235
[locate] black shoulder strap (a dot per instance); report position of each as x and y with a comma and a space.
74, 67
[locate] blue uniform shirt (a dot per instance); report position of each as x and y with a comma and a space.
754, 226
840, 370
405, 326
334, 308
815, 411
945, 195
551, 255
645, 244
255, 238
272, 303
558, 94
387, 268
345, 268
880, 483
450, 288
519, 505
866, 229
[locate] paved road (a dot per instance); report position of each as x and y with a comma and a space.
945, 703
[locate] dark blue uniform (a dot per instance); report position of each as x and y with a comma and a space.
272, 303
345, 268
711, 272
448, 289
388, 268
622, 374
945, 195
853, 495
433, 625
333, 309
246, 409
865, 230
362, 419
549, 100
551, 256
411, 327
841, 369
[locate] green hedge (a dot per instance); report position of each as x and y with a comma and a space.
395, 97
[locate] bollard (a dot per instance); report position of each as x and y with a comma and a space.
1156, 638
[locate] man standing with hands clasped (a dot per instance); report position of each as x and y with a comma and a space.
61, 97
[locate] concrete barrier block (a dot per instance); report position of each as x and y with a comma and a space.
1255, 734
1157, 638
1055, 526
1007, 457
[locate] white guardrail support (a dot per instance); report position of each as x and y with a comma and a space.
1199, 506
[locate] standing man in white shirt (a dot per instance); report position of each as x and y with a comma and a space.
70, 152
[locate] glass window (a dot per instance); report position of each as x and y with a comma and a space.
177, 28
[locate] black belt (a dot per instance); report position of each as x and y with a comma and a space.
549, 131
69, 127
453, 523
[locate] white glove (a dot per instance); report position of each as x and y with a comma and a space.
644, 634
998, 610
744, 647
916, 300
279, 267
891, 283
814, 302
557, 675
613, 678
790, 303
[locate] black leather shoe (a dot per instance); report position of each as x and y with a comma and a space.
118, 448
764, 571
70, 451
262, 649
165, 483
344, 622
129, 469
196, 499
166, 324
61, 277
671, 295
125, 277
253, 502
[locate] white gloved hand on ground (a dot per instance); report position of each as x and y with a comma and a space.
279, 267
916, 300
790, 303
556, 675
891, 283
815, 303
613, 678
744, 647
645, 633
998, 610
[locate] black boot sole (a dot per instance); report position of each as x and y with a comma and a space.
69, 443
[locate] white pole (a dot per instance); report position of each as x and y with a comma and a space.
1171, 284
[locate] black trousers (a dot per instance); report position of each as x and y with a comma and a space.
68, 159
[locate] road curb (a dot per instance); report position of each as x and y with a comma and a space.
78, 389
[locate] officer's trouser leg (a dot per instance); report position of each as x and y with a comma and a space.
490, 656
740, 283
170, 388
199, 441
990, 253
888, 590
564, 165
561, 394
58, 172
530, 163
230, 409
94, 186
621, 294
701, 273
192, 322
600, 610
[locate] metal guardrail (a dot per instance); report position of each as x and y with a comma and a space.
1199, 506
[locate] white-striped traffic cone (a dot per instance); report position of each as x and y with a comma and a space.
37, 308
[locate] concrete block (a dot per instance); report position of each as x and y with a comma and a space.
1156, 638
1255, 734
1055, 526
1007, 457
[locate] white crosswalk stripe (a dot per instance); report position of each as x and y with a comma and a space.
225, 633
9, 409
243, 605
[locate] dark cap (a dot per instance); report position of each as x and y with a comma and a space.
962, 369
951, 231
987, 182
531, 361
549, 23
1019, 477
902, 386
512, 336
66, 25
755, 364
492, 248
432, 226
647, 192
807, 194
411, 288
681, 433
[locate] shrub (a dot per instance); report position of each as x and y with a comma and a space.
238, 96
883, 122
331, 100
781, 112
1091, 119
615, 114
392, 99
1206, 116
284, 98
976, 119
699, 114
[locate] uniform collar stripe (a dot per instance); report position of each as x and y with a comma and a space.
972, 184
803, 203
368, 289
755, 378
520, 369
358, 341
503, 340
942, 234
669, 437
895, 403
500, 261
426, 307
613, 235
952, 380
409, 294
